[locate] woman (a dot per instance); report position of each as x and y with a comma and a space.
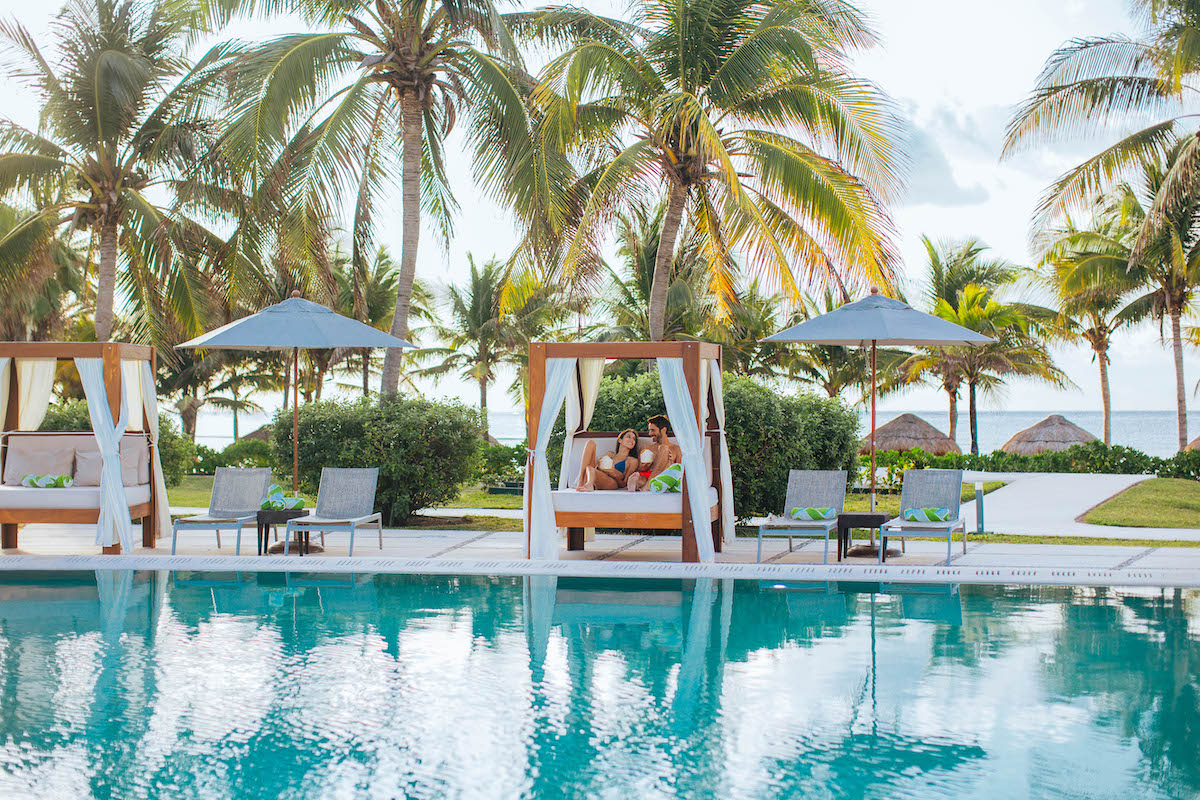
611, 471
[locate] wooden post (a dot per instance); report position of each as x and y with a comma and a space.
533, 410
150, 526
8, 530
714, 448
295, 416
691, 376
575, 538
110, 358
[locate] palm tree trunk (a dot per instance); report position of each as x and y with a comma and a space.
235, 424
1180, 390
412, 121
661, 282
366, 372
1105, 397
106, 279
953, 413
483, 414
974, 418
188, 414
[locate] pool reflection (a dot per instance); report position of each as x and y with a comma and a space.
271, 684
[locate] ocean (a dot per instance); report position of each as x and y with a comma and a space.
1151, 432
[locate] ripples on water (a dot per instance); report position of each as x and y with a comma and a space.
240, 685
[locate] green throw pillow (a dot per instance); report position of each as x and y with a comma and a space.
926, 514
669, 480
47, 481
276, 500
807, 512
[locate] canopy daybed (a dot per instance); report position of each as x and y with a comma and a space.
116, 466
569, 373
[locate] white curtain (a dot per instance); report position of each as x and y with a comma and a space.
131, 372
591, 370
4, 374
580, 410
115, 587
113, 525
540, 528
574, 412
149, 395
687, 435
728, 532
35, 380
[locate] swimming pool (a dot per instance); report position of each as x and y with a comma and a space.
148, 684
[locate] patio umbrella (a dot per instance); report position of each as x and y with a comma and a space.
878, 320
293, 324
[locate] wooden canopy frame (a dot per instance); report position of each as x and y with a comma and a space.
111, 355
693, 356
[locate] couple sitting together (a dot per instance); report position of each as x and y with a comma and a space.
625, 467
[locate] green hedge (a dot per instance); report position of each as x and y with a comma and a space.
769, 433
1093, 457
425, 450
176, 452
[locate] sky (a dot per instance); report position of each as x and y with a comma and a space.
956, 70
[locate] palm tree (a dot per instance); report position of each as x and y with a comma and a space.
122, 123
240, 380
1093, 302
370, 293
477, 340
985, 368
334, 102
1104, 82
744, 116
41, 279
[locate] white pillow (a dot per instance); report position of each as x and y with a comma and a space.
87, 468
20, 462
130, 461
138, 445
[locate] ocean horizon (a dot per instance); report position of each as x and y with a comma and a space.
1152, 432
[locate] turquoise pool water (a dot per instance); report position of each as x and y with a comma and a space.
180, 685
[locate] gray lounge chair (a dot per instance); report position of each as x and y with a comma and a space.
808, 488
345, 502
236, 497
928, 488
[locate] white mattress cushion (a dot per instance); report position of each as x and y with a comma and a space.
74, 497
623, 501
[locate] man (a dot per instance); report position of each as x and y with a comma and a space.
662, 454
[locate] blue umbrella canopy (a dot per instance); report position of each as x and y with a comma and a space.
881, 320
295, 322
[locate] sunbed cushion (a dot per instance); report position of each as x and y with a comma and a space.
623, 501
24, 457
74, 497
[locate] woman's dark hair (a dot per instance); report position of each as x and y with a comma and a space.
621, 436
661, 421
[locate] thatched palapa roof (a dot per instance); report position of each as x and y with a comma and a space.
1194, 444
1053, 434
908, 431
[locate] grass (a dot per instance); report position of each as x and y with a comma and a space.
465, 523
890, 503
196, 490
478, 498
1154, 503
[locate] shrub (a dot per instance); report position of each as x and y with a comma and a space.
424, 450
176, 452
206, 460
1092, 457
768, 433
1184, 464
498, 462
246, 453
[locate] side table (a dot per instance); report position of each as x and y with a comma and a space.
851, 520
272, 516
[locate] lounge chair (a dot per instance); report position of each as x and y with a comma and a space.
236, 497
345, 502
928, 488
808, 488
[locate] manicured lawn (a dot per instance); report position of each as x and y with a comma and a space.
195, 490
467, 523
1155, 503
478, 498
890, 503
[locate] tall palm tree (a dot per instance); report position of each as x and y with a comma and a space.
335, 102
369, 291
123, 119
1093, 302
240, 380
476, 340
1103, 83
986, 367
744, 115
41, 279
740, 331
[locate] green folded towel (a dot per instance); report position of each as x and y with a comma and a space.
47, 481
807, 512
276, 500
926, 514
669, 480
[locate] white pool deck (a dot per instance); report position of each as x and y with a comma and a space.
431, 551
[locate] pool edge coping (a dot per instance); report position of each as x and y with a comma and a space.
1072, 576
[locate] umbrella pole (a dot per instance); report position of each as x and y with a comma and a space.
296, 421
872, 435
